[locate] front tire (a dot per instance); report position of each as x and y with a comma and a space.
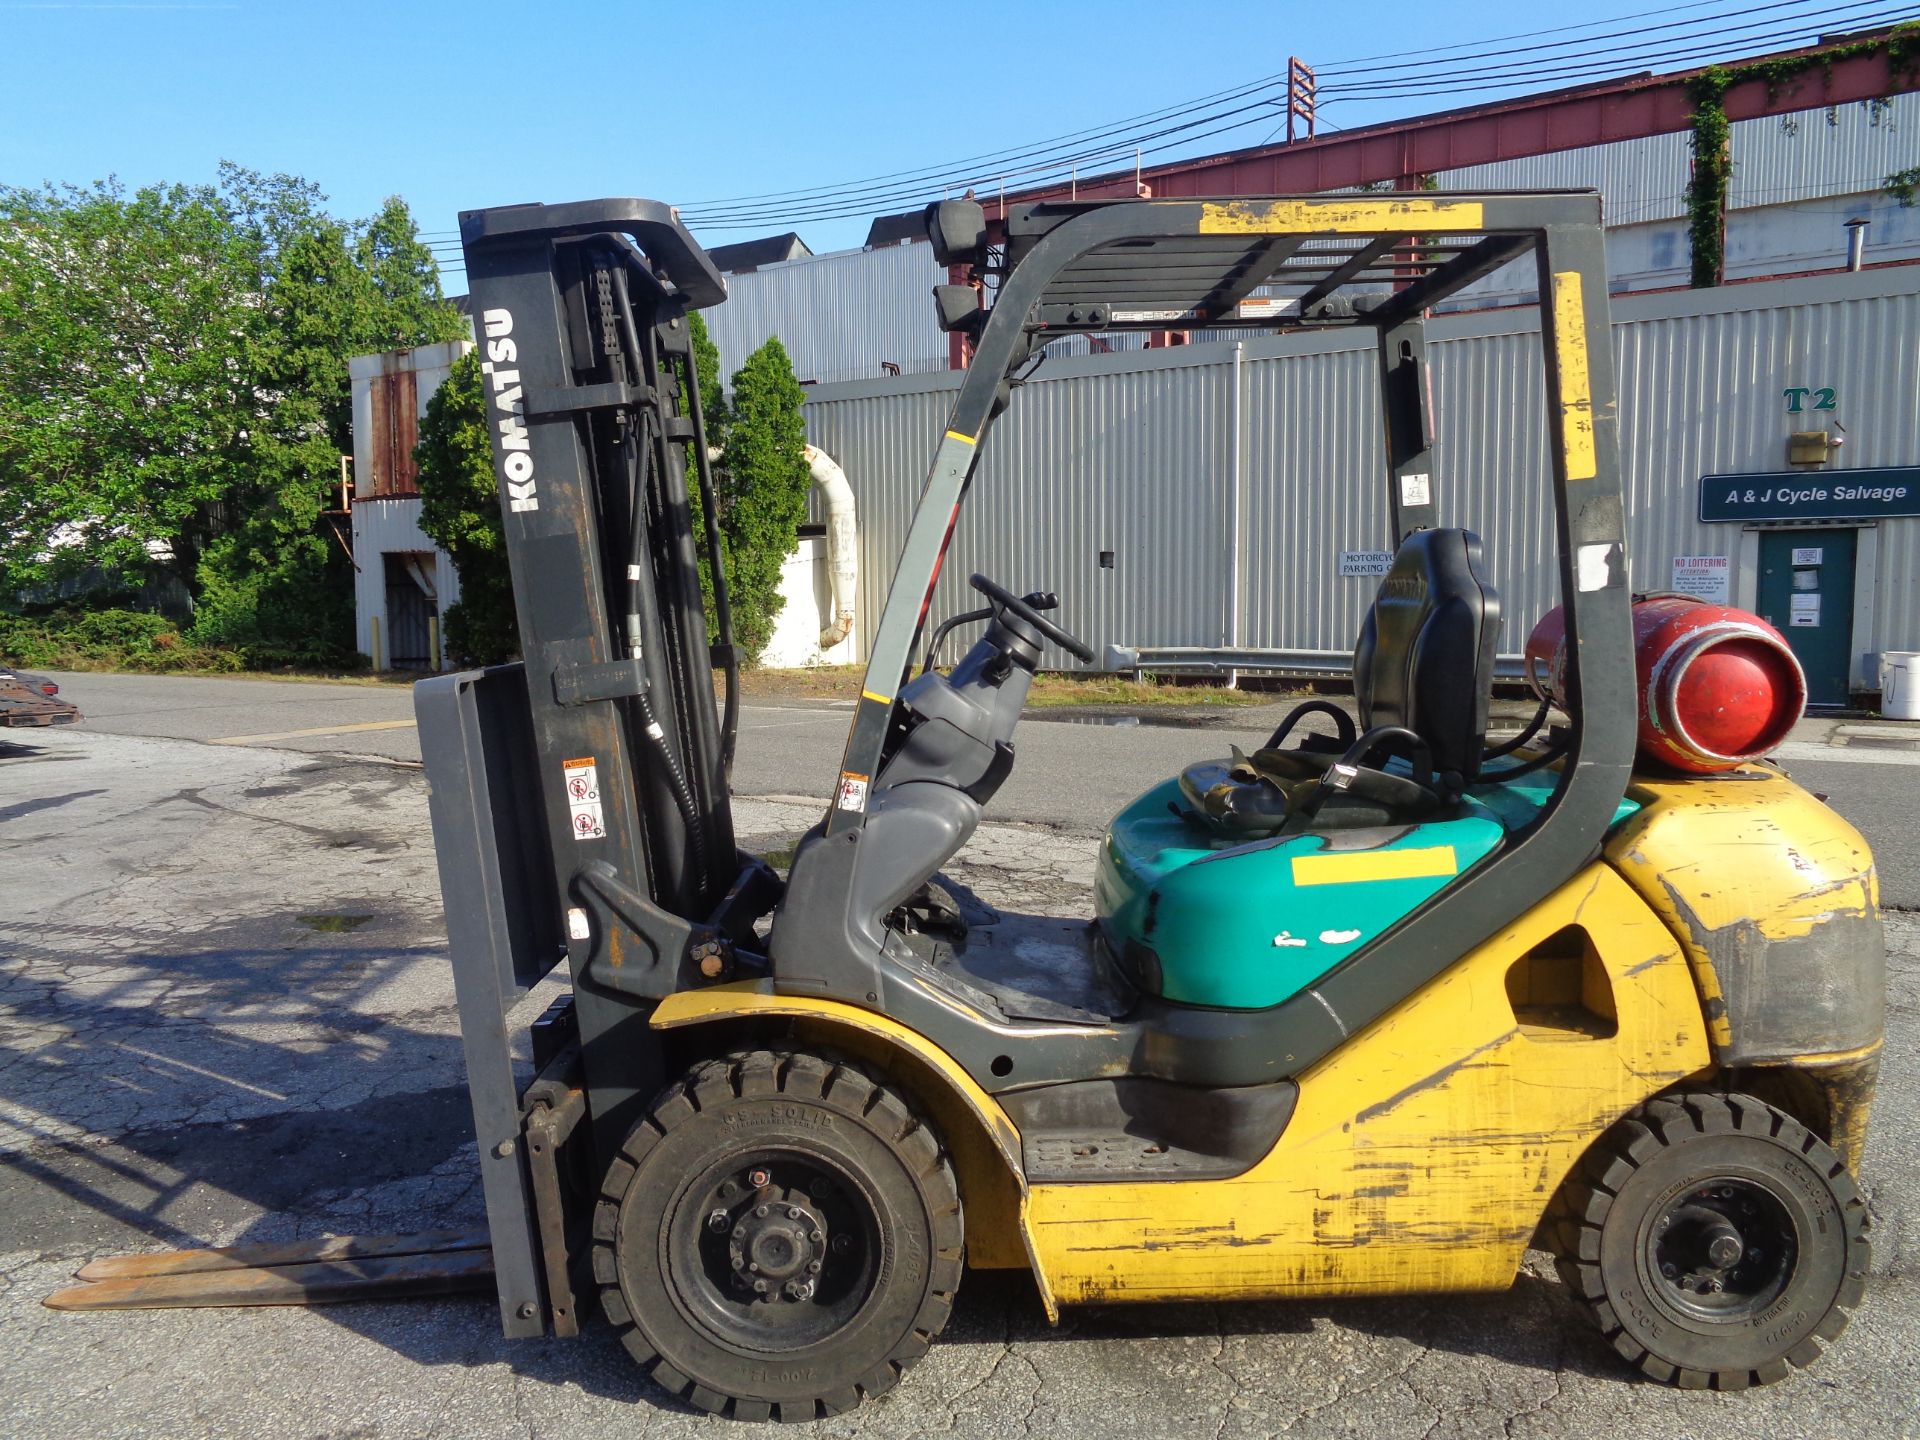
779, 1238
1715, 1241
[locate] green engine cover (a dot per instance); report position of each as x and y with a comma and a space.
1203, 920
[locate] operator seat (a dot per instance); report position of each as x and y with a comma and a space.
1422, 676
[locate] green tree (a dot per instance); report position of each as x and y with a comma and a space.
763, 490
460, 510
173, 390
713, 411
279, 582
127, 413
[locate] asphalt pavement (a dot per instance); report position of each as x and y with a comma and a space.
226, 1016
1075, 769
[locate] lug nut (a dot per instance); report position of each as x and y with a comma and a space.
794, 1212
760, 1211
759, 1287
817, 1236
757, 1178
813, 1267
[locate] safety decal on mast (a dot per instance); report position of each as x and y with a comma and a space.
852, 794
582, 781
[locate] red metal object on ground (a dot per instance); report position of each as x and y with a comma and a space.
31, 700
1718, 686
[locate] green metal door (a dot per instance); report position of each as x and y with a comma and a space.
1806, 593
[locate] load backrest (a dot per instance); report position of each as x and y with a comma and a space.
1424, 659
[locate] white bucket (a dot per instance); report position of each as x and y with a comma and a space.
1900, 685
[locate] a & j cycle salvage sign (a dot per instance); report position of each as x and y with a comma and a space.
1827, 495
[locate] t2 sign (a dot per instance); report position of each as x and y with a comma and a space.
1797, 396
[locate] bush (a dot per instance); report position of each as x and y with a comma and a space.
763, 491
460, 511
75, 639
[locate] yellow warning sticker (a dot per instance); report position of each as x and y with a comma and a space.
1576, 382
1341, 215
1356, 866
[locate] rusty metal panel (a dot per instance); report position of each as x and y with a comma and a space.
395, 429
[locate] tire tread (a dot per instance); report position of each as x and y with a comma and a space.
762, 1073
1580, 1210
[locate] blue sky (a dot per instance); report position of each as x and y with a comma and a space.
455, 106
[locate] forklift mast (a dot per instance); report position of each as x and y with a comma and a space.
579, 797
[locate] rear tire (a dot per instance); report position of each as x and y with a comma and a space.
1715, 1241
779, 1238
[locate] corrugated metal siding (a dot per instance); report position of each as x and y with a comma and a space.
1133, 454
1642, 179
382, 528
1312, 485
1849, 150
839, 316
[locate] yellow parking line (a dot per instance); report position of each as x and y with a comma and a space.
320, 730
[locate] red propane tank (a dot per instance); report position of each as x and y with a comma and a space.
1718, 686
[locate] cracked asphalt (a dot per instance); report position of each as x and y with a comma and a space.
225, 1016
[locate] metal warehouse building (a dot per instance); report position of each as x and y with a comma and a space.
1232, 495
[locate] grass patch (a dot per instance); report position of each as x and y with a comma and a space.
842, 682
1052, 690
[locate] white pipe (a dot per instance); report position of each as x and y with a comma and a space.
843, 547
1856, 243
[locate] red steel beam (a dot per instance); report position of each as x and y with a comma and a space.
1401, 150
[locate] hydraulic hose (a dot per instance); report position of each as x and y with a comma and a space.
640, 465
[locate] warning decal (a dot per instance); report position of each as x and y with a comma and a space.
582, 782
852, 794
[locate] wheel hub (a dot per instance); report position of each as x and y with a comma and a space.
1723, 1248
777, 1242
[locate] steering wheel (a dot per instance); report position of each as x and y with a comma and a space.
1005, 600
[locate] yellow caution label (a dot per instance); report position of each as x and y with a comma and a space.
963, 439
877, 699
1341, 215
1576, 381
1356, 866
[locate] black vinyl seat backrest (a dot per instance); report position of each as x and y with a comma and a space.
1424, 659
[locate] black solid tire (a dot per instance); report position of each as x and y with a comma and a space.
752, 1103
1605, 1211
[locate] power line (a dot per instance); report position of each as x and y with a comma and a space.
1050, 160
1531, 70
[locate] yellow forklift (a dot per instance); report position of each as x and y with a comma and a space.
1367, 1012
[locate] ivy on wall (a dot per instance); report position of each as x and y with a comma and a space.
1712, 133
